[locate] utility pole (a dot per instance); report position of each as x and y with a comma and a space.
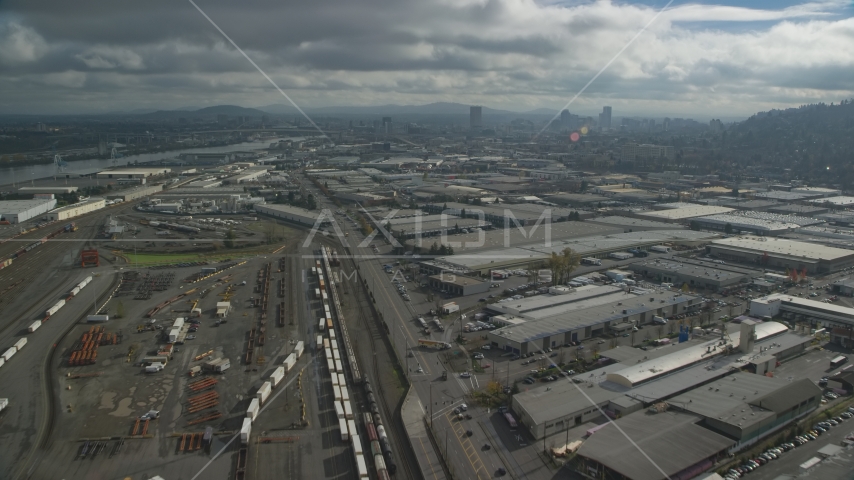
431, 406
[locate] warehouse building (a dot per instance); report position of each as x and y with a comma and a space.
523, 213
49, 190
674, 441
697, 274
290, 213
249, 175
510, 248
803, 310
683, 214
458, 285
744, 224
644, 378
591, 311
17, 211
780, 253
133, 172
71, 211
837, 202
746, 407
135, 193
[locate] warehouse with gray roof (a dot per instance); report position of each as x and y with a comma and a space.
781, 253
697, 274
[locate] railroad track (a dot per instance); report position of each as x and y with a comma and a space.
377, 343
20, 281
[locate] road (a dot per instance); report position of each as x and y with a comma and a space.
465, 454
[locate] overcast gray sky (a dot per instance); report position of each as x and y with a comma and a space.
726, 58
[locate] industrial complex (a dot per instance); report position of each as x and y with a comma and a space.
401, 314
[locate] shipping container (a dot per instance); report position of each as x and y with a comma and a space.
321, 325
20, 343
332, 335
277, 376
326, 343
351, 427
336, 392
264, 392
345, 394
97, 318
300, 348
335, 379
34, 326
252, 411
342, 425
75, 291
319, 342
335, 355
357, 444
2, 361
317, 293
330, 364
245, 431
179, 322
341, 380
339, 410
290, 361
348, 410
339, 367
329, 324
328, 353
9, 353
4, 402
361, 467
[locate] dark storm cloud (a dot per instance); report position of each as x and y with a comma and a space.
106, 55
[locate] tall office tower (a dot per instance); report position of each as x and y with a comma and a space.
475, 117
564, 117
605, 118
387, 124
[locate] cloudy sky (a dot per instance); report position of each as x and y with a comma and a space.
724, 58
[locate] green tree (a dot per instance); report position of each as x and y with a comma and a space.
562, 265
728, 229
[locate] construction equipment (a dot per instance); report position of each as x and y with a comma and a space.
203, 355
227, 294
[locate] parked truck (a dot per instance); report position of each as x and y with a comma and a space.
154, 368
450, 308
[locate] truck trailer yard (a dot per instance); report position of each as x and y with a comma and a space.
115, 398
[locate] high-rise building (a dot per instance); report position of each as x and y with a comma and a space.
605, 118
387, 124
475, 117
564, 117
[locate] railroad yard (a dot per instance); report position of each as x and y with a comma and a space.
221, 364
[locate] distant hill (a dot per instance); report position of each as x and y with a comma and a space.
815, 141
207, 112
438, 108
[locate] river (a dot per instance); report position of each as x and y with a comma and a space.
9, 175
